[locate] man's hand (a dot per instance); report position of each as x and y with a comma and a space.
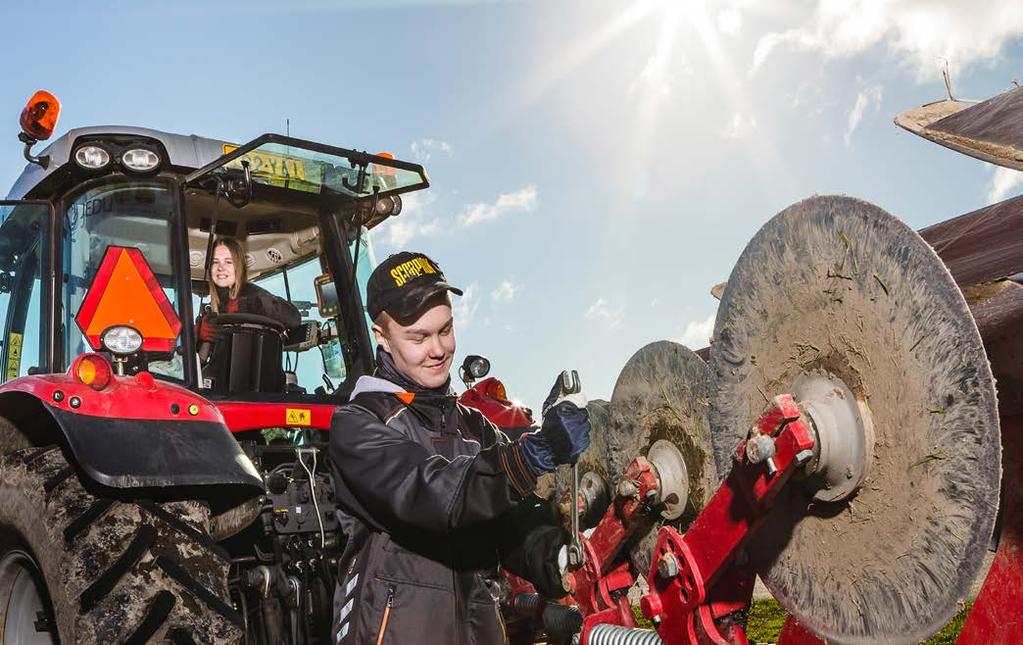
563, 435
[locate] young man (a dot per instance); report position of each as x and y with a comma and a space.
431, 494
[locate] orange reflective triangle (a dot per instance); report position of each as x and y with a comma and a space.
125, 292
406, 397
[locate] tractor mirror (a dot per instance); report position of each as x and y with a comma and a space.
39, 118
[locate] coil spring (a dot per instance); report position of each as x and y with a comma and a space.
615, 635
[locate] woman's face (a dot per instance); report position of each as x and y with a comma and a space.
223, 267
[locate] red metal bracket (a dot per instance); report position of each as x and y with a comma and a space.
691, 599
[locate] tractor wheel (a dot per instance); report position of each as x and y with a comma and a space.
76, 568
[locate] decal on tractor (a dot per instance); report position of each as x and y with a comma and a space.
13, 355
298, 416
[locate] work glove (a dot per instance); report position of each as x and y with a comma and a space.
563, 435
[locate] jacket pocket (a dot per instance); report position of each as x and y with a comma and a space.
415, 613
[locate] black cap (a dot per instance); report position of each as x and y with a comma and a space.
403, 283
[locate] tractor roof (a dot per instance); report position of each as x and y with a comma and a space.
183, 151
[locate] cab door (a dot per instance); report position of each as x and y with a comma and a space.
24, 287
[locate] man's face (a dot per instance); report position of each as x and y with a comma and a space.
422, 350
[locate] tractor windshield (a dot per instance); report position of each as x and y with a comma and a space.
129, 213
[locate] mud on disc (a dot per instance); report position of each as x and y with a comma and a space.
662, 393
838, 285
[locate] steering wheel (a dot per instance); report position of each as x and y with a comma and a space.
250, 320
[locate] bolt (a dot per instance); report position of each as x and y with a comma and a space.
626, 488
75, 402
58, 396
848, 472
667, 566
771, 467
760, 447
656, 620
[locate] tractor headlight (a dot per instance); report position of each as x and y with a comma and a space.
121, 340
92, 157
140, 160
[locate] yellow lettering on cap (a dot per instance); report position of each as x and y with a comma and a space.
411, 269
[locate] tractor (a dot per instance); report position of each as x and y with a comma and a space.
147, 495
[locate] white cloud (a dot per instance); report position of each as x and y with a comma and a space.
869, 97
740, 126
599, 311
730, 21
523, 199
422, 150
1003, 182
916, 32
413, 221
697, 335
466, 306
505, 292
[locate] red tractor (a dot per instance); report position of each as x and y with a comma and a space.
145, 495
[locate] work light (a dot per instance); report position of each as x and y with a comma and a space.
92, 157
140, 160
121, 340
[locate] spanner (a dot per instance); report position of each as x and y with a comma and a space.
570, 385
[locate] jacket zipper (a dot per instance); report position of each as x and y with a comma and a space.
387, 614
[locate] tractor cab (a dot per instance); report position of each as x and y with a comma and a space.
298, 208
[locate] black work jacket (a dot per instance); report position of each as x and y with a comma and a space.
428, 512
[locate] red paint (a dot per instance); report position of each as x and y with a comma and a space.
505, 414
127, 397
254, 416
792, 633
997, 614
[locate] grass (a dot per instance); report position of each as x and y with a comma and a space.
766, 618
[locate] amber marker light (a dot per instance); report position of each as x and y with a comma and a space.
92, 370
39, 118
497, 391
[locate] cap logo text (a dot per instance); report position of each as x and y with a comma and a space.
411, 269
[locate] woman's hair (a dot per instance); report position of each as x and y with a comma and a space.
240, 271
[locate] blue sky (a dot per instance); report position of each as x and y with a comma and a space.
597, 166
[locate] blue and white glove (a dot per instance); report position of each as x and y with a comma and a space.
563, 435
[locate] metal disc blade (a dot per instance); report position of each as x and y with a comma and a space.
662, 393
838, 285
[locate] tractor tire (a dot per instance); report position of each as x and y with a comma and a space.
106, 571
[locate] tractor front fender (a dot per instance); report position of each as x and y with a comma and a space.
137, 433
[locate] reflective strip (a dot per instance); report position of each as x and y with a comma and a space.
341, 633
347, 609
351, 585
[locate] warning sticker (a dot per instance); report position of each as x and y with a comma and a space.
13, 356
298, 416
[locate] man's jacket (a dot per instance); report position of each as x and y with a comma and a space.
429, 509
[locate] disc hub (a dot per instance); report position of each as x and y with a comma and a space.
673, 477
843, 431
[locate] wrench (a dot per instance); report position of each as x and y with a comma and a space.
570, 385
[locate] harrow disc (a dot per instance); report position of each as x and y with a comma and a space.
836, 286
662, 393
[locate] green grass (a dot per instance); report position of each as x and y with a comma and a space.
766, 618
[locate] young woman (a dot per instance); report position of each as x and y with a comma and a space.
231, 292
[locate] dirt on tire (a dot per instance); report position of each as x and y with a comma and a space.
116, 572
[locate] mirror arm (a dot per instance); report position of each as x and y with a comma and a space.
30, 141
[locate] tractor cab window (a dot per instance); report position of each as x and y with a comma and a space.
134, 214
22, 230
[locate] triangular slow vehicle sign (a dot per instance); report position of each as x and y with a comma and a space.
125, 292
